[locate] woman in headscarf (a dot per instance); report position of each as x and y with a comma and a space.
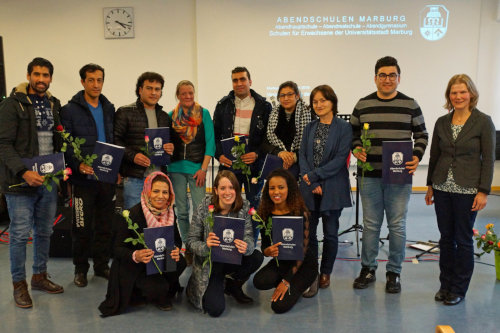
128, 281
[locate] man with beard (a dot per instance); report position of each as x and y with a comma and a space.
28, 119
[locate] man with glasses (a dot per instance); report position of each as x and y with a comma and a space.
129, 127
392, 116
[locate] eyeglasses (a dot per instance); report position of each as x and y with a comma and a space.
289, 95
383, 76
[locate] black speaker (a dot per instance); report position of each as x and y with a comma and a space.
3, 87
60, 241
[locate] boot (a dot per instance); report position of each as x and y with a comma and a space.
233, 288
21, 295
41, 282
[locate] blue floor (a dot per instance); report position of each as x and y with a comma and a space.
339, 308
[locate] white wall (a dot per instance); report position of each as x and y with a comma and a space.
70, 34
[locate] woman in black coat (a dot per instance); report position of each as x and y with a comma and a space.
128, 281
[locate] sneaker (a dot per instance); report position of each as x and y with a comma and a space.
393, 284
366, 276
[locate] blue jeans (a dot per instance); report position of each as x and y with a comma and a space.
180, 182
455, 221
393, 199
132, 189
28, 212
330, 221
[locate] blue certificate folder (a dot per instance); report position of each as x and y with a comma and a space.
229, 143
107, 163
289, 230
157, 138
273, 162
228, 229
395, 154
46, 164
160, 240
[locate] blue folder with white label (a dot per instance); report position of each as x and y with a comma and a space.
395, 154
45, 164
157, 138
289, 230
228, 229
229, 143
161, 241
107, 164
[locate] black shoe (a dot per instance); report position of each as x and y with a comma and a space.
366, 276
233, 288
167, 306
453, 299
80, 280
441, 295
393, 284
102, 273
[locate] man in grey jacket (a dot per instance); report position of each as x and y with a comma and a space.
28, 119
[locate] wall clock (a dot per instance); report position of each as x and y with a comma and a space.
118, 22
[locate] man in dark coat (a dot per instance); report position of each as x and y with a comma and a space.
130, 123
28, 119
89, 115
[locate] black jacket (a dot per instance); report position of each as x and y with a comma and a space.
19, 137
77, 119
130, 123
124, 271
224, 115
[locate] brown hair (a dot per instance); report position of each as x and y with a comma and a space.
471, 87
329, 95
238, 202
294, 199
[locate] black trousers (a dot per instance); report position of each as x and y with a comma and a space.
159, 288
271, 275
93, 213
214, 302
455, 221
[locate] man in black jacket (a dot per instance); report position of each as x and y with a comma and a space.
89, 115
130, 123
242, 112
28, 119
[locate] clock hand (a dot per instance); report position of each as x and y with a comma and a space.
123, 24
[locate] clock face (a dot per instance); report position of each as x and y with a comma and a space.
118, 22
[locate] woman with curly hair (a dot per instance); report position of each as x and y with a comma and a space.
290, 278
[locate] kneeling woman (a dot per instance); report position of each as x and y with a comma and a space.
128, 281
204, 290
281, 197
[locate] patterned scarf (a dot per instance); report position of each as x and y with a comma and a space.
302, 118
186, 125
157, 217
